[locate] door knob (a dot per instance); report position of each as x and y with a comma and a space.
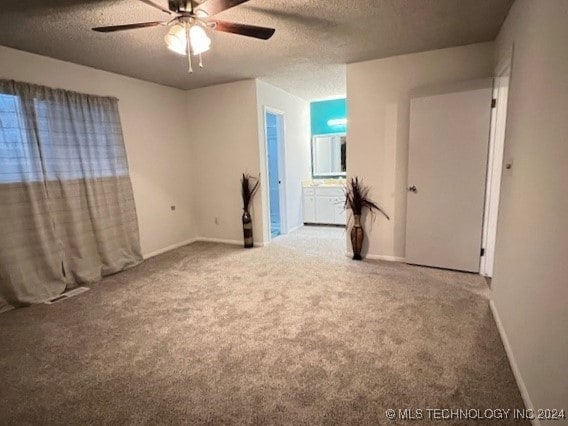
412, 188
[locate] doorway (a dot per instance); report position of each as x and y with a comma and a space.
274, 134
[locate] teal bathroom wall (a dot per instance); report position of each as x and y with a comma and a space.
323, 114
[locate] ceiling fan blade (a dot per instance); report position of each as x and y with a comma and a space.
156, 6
262, 33
113, 28
212, 7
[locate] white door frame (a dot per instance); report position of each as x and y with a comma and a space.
281, 171
495, 166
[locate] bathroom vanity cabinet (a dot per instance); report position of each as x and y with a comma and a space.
324, 205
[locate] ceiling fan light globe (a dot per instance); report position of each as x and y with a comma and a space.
199, 40
179, 51
176, 41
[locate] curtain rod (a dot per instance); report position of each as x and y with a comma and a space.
13, 83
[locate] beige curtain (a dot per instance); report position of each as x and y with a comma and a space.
67, 209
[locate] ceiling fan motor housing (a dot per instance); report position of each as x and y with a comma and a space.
178, 6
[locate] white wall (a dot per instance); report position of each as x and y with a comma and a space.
297, 149
224, 142
530, 282
157, 145
226, 124
187, 148
378, 104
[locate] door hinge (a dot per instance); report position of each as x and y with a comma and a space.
493, 103
482, 252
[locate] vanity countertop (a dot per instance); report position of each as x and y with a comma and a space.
324, 183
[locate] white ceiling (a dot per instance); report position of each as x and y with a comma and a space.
314, 38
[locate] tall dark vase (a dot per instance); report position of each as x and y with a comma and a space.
357, 237
247, 229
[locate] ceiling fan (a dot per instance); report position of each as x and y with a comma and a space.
190, 20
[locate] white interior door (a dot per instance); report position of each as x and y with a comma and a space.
449, 136
494, 170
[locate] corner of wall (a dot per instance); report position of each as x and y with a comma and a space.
223, 123
378, 96
261, 162
295, 150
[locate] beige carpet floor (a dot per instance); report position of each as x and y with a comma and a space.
292, 333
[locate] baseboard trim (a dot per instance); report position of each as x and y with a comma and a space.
378, 257
295, 228
387, 258
197, 239
512, 362
218, 240
169, 248
225, 241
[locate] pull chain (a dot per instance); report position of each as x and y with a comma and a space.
188, 41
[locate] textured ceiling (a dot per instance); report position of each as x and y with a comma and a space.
314, 38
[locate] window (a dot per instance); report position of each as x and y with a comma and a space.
59, 137
68, 212
18, 159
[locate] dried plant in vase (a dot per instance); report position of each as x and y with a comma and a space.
249, 187
357, 199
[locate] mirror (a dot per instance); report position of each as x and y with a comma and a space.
329, 156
